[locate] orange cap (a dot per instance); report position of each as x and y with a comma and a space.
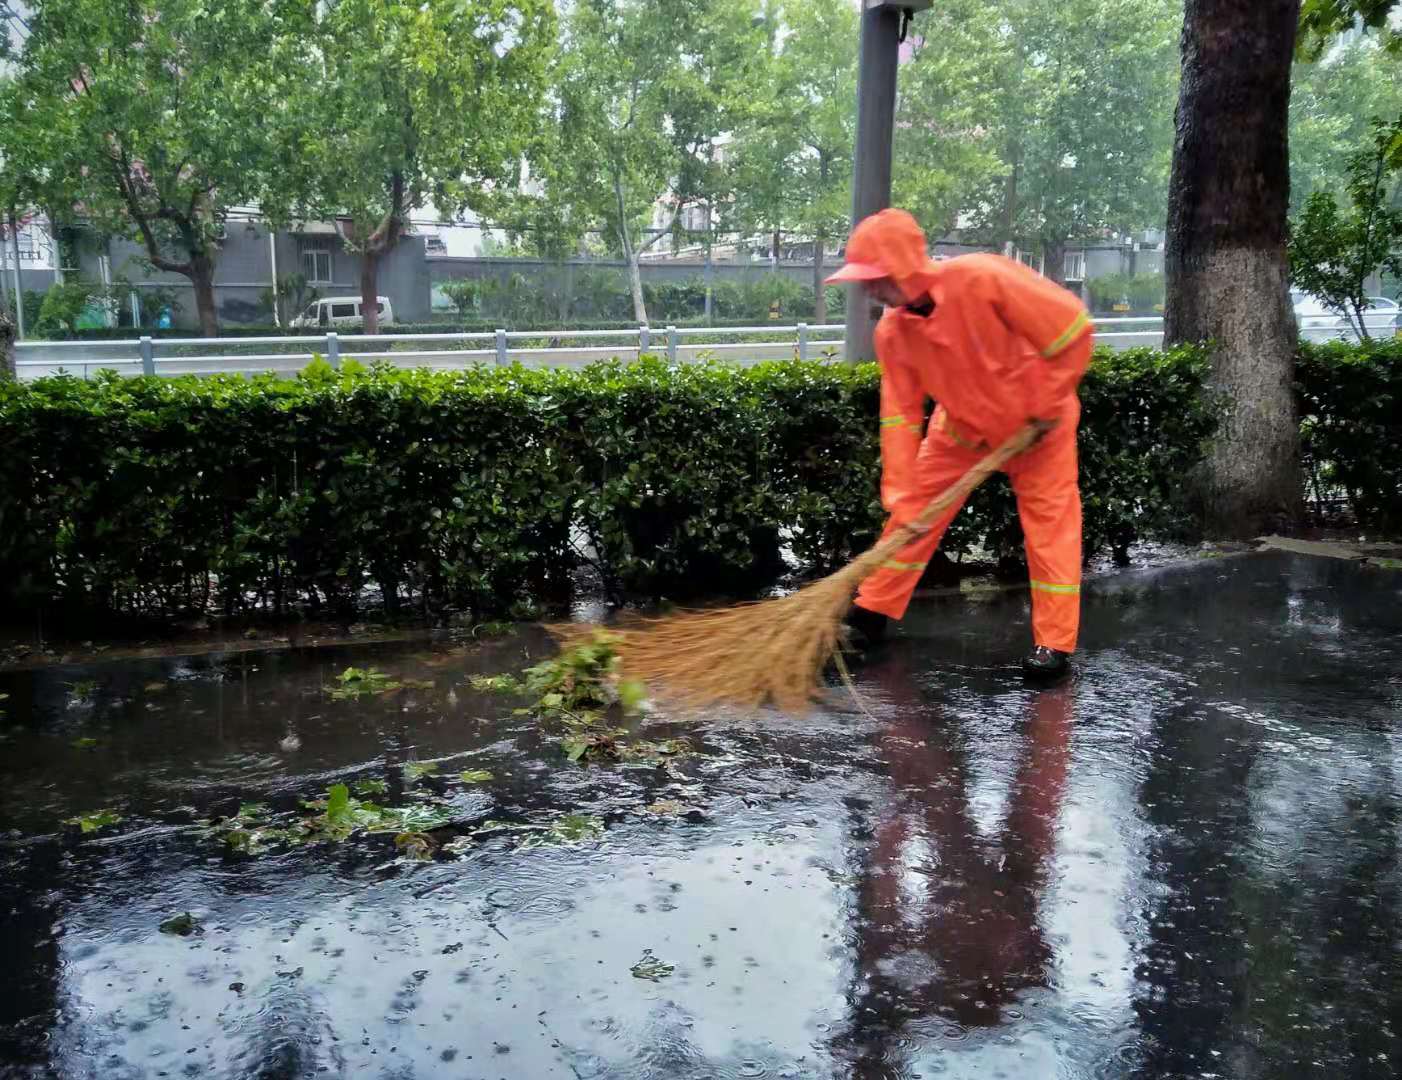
857, 271
889, 243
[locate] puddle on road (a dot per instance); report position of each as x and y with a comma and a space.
1184, 863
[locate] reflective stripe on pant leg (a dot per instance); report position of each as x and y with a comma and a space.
888, 589
1049, 504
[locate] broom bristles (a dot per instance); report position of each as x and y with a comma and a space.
769, 651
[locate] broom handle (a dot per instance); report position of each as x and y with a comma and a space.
960, 489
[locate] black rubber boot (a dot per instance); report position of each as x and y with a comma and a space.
865, 628
1046, 664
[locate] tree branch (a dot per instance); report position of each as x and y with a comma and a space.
121, 168
666, 228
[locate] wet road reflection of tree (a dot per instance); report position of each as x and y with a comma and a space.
947, 931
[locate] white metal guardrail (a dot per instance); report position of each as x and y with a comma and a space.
287, 355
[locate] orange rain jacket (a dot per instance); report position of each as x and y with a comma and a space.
1003, 345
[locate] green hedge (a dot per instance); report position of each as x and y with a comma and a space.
538, 297
487, 487
441, 326
1144, 293
1351, 425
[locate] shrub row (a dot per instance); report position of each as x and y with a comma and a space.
538, 297
1351, 427
487, 487
442, 326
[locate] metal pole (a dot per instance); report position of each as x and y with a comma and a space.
57, 249
871, 170
148, 357
104, 266
501, 348
803, 341
671, 344
710, 272
19, 289
333, 349
272, 265
4, 283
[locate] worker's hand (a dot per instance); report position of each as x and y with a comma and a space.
906, 520
1042, 427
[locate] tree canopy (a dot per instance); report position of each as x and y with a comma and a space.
404, 105
151, 118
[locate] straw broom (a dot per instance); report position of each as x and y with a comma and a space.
769, 651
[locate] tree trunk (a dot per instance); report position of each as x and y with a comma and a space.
565, 278
7, 348
1054, 259
1009, 219
201, 274
1226, 270
635, 283
374, 247
630, 254
369, 289
820, 299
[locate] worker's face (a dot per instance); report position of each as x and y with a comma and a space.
885, 291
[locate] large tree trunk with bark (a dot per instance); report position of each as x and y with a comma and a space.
7, 348
820, 299
1227, 276
201, 275
370, 290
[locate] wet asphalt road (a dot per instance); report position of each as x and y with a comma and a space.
1184, 863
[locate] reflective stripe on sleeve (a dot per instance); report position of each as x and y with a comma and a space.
1077, 325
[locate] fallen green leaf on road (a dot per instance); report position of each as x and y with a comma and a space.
474, 776
183, 924
651, 968
91, 823
415, 845
361, 682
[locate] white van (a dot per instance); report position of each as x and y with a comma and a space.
337, 312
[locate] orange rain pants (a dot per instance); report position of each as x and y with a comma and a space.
1049, 504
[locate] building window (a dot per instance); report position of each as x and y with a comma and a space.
316, 259
1074, 268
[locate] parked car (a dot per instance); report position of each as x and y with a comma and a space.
1316, 319
341, 312
1319, 321
1380, 318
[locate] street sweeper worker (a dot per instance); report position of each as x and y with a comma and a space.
996, 346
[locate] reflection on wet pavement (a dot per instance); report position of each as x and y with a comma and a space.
1183, 863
